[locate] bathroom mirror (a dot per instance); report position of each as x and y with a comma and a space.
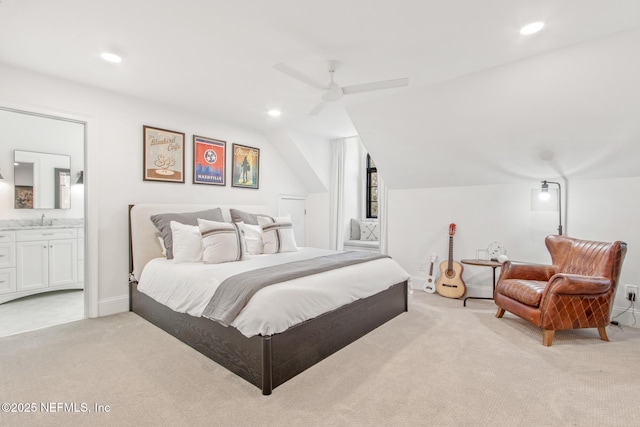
42, 180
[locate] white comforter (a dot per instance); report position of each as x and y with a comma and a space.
188, 287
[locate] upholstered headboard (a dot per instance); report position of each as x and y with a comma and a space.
143, 241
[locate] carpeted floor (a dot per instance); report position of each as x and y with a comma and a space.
438, 364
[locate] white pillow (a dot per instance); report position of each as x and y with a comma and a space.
277, 234
164, 250
187, 242
253, 238
221, 241
369, 230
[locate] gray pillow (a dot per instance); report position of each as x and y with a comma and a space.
248, 218
355, 229
162, 223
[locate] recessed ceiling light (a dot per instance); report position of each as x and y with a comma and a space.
274, 113
532, 28
111, 57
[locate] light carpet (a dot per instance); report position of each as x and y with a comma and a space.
439, 364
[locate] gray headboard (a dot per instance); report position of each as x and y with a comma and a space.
143, 242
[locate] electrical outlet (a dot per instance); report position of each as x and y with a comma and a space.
630, 292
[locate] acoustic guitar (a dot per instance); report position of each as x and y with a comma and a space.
430, 284
450, 283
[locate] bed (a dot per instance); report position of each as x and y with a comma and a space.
266, 360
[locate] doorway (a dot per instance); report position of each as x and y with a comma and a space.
296, 208
45, 275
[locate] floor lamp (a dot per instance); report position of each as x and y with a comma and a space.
544, 194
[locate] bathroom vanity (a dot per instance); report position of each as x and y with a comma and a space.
36, 259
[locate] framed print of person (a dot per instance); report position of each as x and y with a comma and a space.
163, 155
245, 166
209, 161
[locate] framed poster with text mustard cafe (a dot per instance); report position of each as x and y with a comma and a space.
163, 155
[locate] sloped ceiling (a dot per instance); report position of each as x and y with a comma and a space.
570, 113
465, 60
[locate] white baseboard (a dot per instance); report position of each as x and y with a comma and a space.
109, 306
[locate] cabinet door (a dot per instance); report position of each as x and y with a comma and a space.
63, 262
32, 262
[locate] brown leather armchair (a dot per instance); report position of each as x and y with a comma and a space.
576, 291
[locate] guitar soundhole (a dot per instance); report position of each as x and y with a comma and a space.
450, 273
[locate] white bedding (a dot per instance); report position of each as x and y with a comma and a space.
188, 287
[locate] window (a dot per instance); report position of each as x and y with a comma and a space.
372, 188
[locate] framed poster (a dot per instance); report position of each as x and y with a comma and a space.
245, 166
209, 160
163, 155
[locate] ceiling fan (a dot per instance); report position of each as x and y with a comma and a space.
334, 92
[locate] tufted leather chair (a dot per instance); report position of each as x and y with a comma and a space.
576, 291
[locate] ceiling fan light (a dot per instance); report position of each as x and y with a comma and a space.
532, 28
334, 93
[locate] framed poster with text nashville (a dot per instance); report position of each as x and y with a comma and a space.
209, 161
163, 155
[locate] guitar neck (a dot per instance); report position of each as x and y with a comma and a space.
450, 263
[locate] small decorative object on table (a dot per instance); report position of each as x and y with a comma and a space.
496, 249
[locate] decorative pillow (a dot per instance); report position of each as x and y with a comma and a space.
369, 230
221, 241
252, 238
162, 223
187, 242
246, 217
355, 229
277, 234
161, 240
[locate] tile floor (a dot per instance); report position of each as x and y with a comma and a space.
41, 311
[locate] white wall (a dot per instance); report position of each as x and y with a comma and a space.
597, 210
113, 171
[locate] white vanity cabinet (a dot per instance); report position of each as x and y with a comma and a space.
45, 259
7, 262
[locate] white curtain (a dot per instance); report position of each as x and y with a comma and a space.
382, 215
338, 154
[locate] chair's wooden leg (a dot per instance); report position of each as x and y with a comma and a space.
603, 333
500, 312
547, 337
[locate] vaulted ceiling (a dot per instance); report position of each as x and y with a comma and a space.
484, 104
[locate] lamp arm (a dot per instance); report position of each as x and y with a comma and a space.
559, 205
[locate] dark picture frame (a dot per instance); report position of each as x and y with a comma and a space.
245, 166
163, 158
209, 161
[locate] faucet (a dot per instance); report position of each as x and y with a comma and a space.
42, 221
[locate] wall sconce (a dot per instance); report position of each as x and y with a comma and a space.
544, 195
80, 178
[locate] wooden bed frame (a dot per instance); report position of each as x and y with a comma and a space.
268, 361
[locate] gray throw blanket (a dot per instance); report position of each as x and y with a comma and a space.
236, 291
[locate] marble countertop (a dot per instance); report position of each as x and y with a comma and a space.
34, 224
37, 227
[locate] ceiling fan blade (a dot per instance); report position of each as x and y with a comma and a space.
367, 87
291, 72
316, 110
